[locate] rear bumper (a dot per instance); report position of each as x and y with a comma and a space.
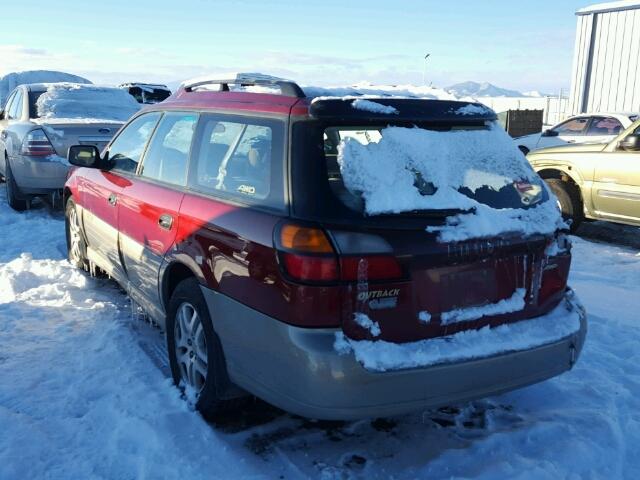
35, 175
299, 370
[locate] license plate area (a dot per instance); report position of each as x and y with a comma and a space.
469, 287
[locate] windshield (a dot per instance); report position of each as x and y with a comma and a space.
385, 170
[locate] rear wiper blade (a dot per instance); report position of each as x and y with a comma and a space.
430, 213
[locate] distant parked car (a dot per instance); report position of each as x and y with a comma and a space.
38, 124
586, 128
228, 218
146, 92
595, 181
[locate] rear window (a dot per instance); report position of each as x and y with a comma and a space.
156, 95
368, 179
79, 101
33, 107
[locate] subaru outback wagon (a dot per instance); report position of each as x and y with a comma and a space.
227, 216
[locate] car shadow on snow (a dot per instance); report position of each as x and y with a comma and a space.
612, 233
342, 449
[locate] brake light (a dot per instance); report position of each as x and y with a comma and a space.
307, 254
36, 144
372, 267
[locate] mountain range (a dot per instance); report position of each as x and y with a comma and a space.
486, 89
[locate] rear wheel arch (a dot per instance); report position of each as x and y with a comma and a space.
173, 274
558, 174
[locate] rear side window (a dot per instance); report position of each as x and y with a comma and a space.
168, 152
604, 126
127, 149
240, 158
576, 126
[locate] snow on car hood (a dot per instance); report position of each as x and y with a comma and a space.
456, 165
77, 101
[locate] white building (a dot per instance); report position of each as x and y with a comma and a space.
606, 62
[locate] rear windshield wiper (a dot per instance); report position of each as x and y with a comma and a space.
431, 213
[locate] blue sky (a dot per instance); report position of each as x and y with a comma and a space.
521, 45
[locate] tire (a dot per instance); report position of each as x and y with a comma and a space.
196, 358
523, 149
76, 245
14, 197
569, 201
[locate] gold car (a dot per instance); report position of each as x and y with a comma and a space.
595, 181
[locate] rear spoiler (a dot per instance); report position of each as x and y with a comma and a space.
401, 109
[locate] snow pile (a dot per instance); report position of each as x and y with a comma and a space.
12, 80
76, 101
369, 106
385, 175
381, 356
514, 303
365, 322
472, 109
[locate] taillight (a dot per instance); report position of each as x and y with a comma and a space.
306, 254
36, 144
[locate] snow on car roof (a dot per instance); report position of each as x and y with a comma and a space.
12, 80
78, 101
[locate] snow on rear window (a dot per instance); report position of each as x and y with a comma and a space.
76, 101
413, 169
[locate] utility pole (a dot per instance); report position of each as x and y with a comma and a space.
424, 71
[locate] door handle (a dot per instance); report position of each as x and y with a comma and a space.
113, 199
571, 141
165, 221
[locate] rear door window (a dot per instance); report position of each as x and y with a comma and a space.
604, 126
575, 126
240, 158
168, 153
127, 149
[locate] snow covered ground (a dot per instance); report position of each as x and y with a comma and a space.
81, 394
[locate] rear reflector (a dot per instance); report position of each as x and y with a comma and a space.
553, 282
36, 144
375, 267
311, 268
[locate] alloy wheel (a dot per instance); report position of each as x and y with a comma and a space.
191, 346
74, 237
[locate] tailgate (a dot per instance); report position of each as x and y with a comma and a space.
445, 288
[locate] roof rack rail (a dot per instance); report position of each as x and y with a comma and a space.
288, 88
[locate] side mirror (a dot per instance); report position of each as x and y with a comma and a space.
631, 143
85, 156
550, 133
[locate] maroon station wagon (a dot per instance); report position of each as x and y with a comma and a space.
224, 216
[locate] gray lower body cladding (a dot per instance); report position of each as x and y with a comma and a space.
299, 370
